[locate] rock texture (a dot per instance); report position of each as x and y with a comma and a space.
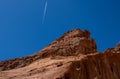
72, 43
72, 56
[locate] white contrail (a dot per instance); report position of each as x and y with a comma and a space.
45, 10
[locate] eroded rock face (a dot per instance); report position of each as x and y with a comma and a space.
72, 56
96, 66
116, 49
73, 42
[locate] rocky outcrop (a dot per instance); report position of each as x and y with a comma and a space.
73, 42
97, 66
17, 62
72, 56
114, 50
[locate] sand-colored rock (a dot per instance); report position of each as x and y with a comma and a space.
72, 43
72, 56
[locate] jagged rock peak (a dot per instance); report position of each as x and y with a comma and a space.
75, 33
116, 49
73, 42
117, 46
88, 66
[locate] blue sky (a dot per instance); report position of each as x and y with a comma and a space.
22, 32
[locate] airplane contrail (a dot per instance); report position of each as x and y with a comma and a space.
45, 10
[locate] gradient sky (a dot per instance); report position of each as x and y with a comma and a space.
22, 32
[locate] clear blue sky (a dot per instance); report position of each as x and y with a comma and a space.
22, 32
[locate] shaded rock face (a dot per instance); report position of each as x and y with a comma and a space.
97, 66
72, 56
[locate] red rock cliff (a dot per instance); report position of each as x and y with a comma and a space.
72, 56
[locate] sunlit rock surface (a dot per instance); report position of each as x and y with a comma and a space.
71, 56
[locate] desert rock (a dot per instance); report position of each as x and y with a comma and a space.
71, 56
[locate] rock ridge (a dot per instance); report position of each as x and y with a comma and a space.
72, 43
71, 56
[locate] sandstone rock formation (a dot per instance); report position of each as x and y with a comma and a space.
72, 56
